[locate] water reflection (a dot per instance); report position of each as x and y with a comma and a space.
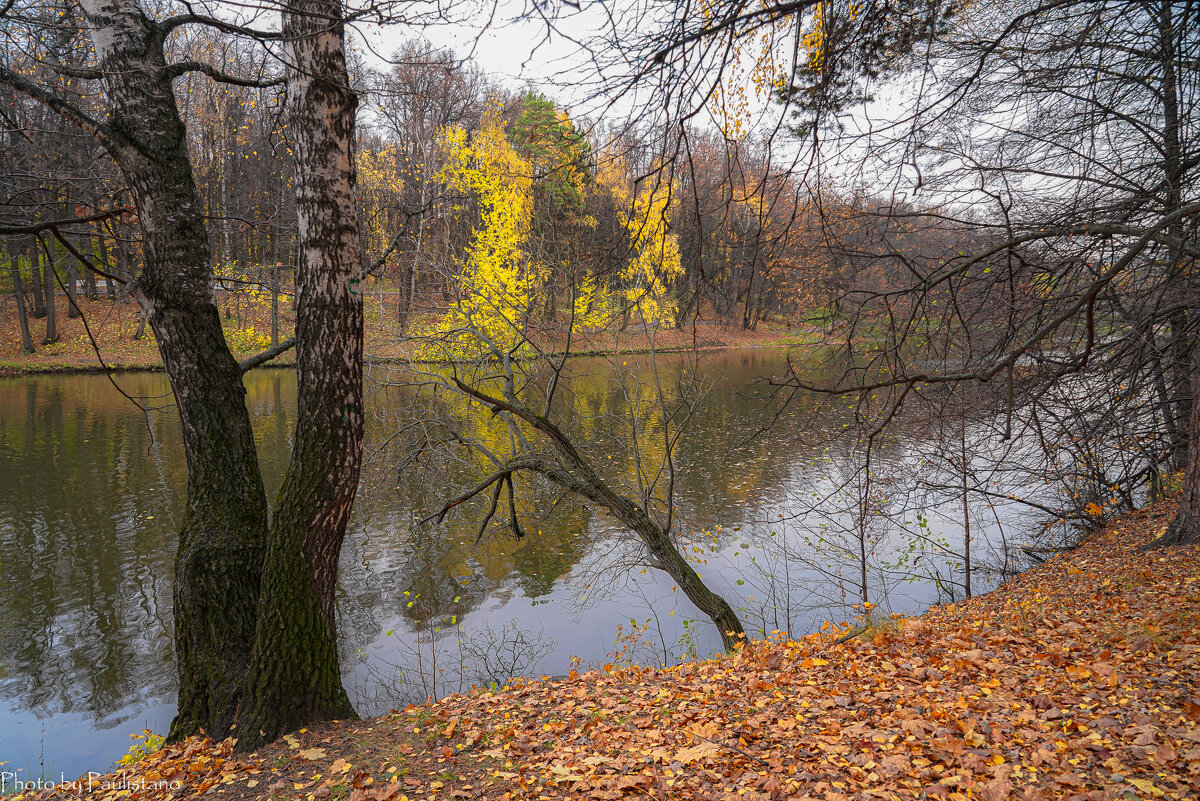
91, 489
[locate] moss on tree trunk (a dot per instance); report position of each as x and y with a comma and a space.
295, 678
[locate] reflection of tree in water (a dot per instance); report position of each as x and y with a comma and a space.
440, 577
85, 509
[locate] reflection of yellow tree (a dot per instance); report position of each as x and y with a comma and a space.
630, 411
504, 390
627, 413
497, 282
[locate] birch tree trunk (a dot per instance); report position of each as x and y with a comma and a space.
221, 538
295, 678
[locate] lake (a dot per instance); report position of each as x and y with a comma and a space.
92, 489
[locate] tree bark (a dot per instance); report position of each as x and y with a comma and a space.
35, 281
1185, 528
665, 555
221, 537
22, 319
72, 291
295, 678
51, 308
89, 274
275, 304
1185, 354
124, 262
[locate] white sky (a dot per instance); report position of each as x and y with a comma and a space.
518, 53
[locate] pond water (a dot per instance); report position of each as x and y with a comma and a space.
91, 492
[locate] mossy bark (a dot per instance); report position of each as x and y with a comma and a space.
221, 539
295, 677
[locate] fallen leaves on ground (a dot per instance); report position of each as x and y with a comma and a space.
1077, 679
114, 324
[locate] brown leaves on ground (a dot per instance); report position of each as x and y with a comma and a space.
113, 325
1075, 680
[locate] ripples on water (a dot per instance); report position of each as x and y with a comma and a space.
91, 491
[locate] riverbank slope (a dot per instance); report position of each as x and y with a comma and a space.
1077, 679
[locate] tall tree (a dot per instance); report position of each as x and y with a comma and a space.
425, 91
224, 550
14, 268
295, 677
222, 532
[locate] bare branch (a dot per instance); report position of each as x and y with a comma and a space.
64, 109
267, 355
54, 225
175, 70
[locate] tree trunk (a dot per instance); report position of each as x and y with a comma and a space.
51, 308
966, 505
687, 300
275, 304
403, 298
1185, 353
407, 280
219, 558
124, 263
35, 281
22, 319
1181, 346
110, 285
663, 552
295, 678
72, 291
583, 480
1185, 528
748, 308
89, 273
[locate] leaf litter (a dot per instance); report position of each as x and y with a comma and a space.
1077, 680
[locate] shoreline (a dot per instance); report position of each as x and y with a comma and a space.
11, 369
1076, 678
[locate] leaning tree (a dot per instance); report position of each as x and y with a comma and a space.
1062, 136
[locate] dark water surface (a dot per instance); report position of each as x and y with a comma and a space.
91, 492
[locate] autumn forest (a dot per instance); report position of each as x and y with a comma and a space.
753, 399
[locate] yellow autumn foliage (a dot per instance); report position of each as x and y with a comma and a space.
380, 184
654, 261
497, 283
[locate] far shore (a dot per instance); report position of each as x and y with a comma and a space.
106, 343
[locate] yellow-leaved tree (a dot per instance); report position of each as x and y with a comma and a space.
496, 283
380, 191
654, 261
